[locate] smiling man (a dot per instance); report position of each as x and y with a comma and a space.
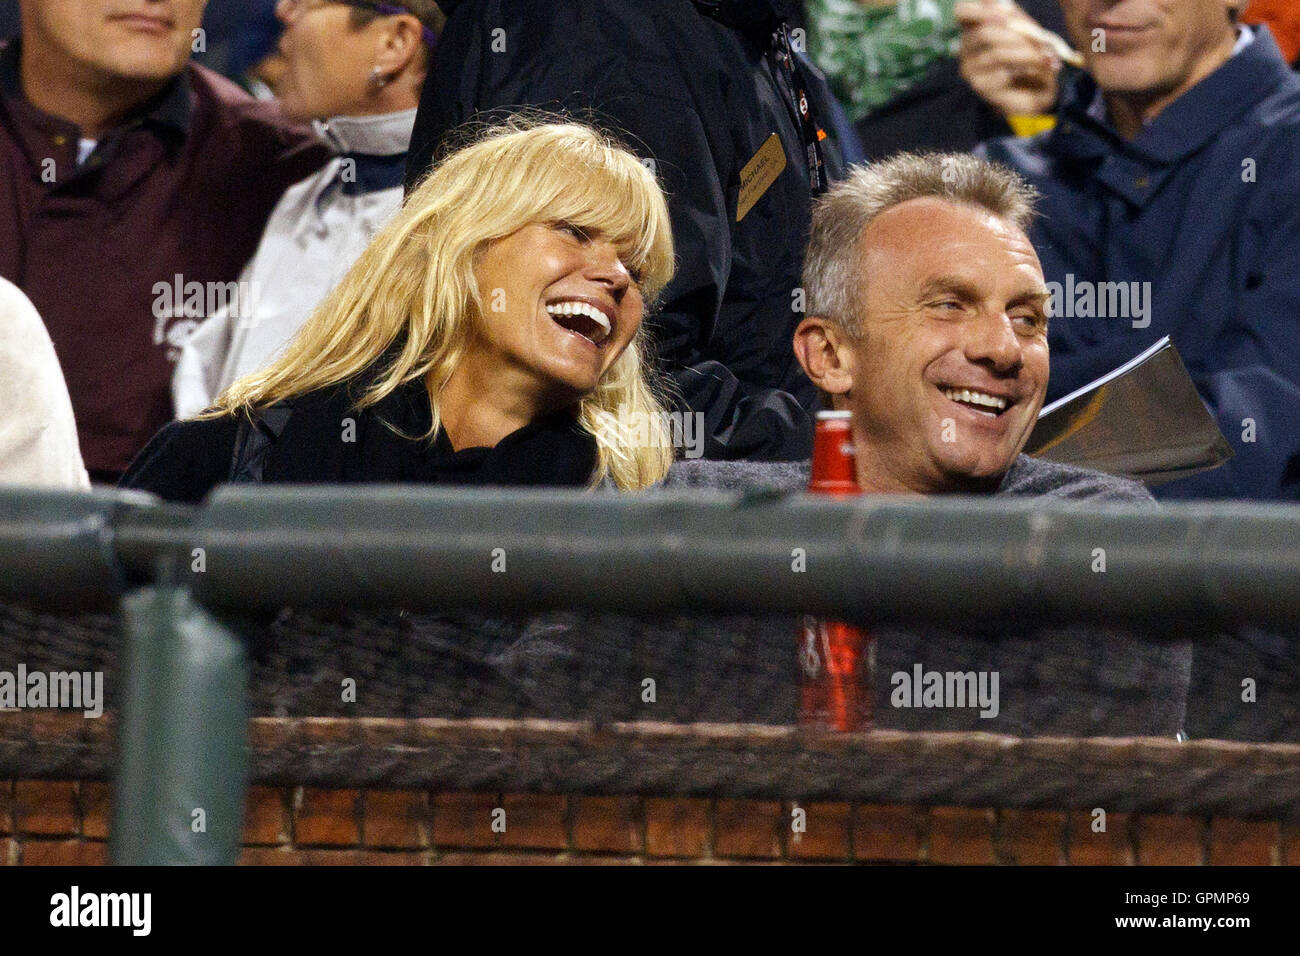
128, 169
928, 321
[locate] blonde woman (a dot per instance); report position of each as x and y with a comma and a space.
491, 334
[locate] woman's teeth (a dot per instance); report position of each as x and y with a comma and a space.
975, 398
597, 332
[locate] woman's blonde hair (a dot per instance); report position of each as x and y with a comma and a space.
414, 290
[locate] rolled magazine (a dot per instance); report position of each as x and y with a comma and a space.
1143, 420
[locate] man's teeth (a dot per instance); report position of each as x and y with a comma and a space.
975, 398
582, 308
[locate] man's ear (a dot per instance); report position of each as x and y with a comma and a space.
399, 44
826, 354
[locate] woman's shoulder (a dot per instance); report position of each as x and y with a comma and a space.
185, 459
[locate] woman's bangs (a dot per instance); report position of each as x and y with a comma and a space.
616, 201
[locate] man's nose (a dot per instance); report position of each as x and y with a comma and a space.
992, 340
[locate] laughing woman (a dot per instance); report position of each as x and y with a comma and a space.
489, 335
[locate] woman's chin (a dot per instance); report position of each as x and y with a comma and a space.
575, 377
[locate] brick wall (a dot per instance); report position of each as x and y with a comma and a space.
66, 822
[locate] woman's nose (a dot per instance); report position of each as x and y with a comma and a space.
606, 266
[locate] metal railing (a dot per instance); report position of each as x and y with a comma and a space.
178, 572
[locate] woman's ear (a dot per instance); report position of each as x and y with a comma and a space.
826, 354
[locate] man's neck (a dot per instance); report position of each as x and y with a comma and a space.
94, 102
876, 477
401, 94
386, 106
1130, 112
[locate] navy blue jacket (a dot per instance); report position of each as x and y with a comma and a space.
1205, 205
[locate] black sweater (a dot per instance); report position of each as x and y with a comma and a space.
325, 439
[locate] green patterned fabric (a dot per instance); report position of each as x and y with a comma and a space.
871, 55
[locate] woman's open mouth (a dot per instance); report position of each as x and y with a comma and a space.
582, 319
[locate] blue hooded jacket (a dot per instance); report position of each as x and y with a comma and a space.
1195, 226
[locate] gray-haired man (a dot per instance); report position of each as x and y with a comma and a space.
927, 320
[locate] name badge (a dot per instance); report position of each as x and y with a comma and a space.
759, 173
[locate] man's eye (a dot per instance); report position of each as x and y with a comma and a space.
1031, 321
948, 305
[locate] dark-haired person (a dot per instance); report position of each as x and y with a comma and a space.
739, 127
124, 167
486, 336
355, 69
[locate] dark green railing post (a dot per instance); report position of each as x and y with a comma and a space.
182, 765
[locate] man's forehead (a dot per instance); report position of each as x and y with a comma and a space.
931, 236
932, 218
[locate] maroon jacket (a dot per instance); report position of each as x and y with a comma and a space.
184, 189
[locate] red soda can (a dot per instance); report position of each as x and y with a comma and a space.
834, 658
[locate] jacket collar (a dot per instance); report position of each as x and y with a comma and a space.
552, 450
374, 148
388, 134
1188, 123
1136, 169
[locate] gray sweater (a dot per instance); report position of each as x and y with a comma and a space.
1078, 680
1027, 477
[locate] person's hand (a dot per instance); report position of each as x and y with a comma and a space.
1003, 62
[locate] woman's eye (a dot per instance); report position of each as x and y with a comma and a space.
636, 273
576, 231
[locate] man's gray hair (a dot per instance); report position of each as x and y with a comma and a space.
832, 272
